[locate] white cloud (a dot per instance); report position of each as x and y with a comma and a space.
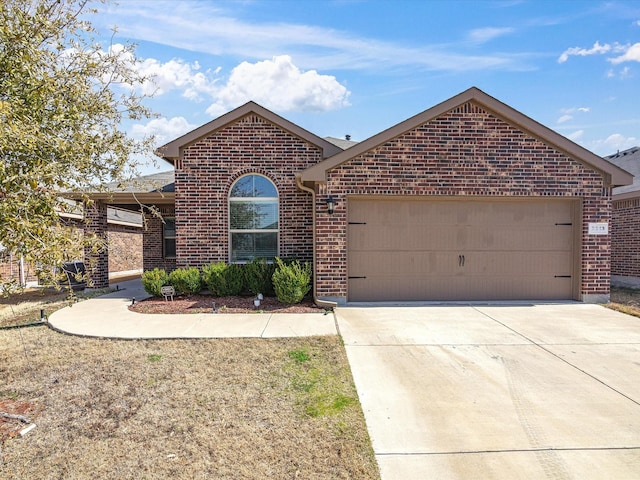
568, 113
280, 85
631, 54
571, 110
613, 143
583, 52
163, 129
210, 28
482, 35
575, 136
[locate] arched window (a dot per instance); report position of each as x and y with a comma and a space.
253, 219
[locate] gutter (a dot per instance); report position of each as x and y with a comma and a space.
316, 300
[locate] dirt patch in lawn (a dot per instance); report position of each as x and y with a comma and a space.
182, 409
205, 304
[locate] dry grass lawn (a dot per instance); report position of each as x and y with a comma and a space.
625, 300
21, 308
180, 409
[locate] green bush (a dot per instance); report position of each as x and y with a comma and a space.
154, 280
258, 277
186, 280
222, 279
234, 276
291, 281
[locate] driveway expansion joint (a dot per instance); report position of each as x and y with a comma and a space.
509, 450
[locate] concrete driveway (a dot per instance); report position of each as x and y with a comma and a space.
498, 391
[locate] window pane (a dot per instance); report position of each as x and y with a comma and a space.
247, 246
243, 187
169, 227
266, 216
241, 215
266, 245
254, 186
169, 247
263, 187
253, 216
241, 247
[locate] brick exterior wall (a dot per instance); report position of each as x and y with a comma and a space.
10, 269
125, 248
97, 263
467, 151
152, 241
625, 237
209, 167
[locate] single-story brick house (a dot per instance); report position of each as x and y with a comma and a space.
625, 222
468, 200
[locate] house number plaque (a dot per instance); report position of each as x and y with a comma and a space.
599, 228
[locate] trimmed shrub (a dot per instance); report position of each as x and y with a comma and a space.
154, 280
291, 281
186, 280
234, 276
258, 277
223, 280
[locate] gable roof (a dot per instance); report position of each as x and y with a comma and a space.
629, 160
171, 150
613, 174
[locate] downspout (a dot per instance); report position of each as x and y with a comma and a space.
316, 300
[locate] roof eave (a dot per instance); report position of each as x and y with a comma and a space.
128, 198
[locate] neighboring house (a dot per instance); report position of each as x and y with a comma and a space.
625, 222
468, 200
124, 236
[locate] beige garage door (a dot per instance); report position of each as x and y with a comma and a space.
402, 249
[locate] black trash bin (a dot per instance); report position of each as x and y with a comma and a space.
76, 275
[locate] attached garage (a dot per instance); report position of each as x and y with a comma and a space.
469, 200
407, 249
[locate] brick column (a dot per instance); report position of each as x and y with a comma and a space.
97, 263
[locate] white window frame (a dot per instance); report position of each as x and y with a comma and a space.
253, 231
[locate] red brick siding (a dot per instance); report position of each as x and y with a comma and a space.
466, 151
625, 237
152, 241
97, 263
125, 248
10, 269
207, 171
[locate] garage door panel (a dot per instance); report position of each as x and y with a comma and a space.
401, 263
417, 249
390, 288
546, 238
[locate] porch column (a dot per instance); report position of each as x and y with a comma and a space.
97, 263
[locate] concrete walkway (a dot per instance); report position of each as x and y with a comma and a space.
109, 316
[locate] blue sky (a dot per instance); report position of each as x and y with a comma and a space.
358, 67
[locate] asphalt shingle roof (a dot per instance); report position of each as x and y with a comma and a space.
628, 160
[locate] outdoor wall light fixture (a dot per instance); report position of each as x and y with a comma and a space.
331, 205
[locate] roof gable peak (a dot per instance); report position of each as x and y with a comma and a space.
172, 150
614, 175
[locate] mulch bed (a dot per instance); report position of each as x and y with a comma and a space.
204, 304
